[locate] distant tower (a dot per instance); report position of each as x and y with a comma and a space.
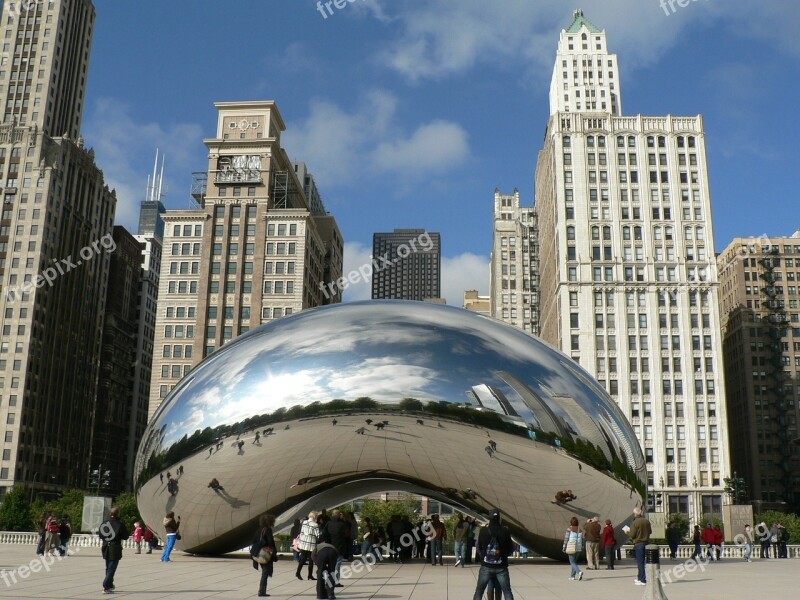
407, 265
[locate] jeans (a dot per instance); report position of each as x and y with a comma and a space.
639, 550
573, 562
266, 573
610, 556
111, 568
365, 546
459, 550
748, 550
171, 537
339, 561
500, 574
436, 550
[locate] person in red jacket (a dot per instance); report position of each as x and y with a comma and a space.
708, 540
608, 543
719, 539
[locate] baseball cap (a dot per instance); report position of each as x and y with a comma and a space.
494, 515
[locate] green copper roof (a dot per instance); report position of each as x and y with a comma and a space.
581, 20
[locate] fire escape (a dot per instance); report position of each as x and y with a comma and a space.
776, 323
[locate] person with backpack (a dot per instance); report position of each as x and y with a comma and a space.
494, 546
573, 544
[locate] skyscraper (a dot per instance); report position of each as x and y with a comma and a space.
55, 240
628, 280
515, 263
254, 250
406, 265
761, 336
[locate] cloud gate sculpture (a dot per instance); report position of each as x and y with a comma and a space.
335, 403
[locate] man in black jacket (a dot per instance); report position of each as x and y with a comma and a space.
337, 533
495, 547
112, 533
326, 557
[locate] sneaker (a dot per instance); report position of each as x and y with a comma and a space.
637, 582
580, 575
107, 591
572, 579
458, 562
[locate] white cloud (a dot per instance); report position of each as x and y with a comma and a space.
126, 147
337, 144
356, 255
438, 39
461, 273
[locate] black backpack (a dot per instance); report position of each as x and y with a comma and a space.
493, 554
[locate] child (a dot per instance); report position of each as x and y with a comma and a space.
150, 538
137, 536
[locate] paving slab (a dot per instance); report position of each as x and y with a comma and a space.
145, 577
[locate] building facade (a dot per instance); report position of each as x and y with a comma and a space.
407, 265
514, 269
55, 240
476, 303
759, 279
628, 281
253, 251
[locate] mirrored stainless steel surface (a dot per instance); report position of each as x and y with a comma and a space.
319, 408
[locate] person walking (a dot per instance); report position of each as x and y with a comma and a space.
640, 533
171, 526
138, 534
459, 536
112, 533
264, 539
697, 540
591, 535
367, 538
609, 543
708, 540
437, 541
673, 540
573, 544
748, 543
65, 533
494, 546
309, 534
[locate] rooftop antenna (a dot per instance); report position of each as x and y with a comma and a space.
160, 192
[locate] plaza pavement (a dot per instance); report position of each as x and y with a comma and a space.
144, 577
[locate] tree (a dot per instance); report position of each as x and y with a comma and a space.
15, 510
790, 521
128, 510
681, 523
69, 505
379, 512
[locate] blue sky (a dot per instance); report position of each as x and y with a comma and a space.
411, 112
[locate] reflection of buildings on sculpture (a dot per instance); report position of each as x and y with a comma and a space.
548, 421
490, 397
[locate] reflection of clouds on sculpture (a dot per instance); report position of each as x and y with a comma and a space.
443, 377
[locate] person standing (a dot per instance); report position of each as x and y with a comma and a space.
294, 535
459, 537
53, 534
591, 534
337, 533
783, 541
469, 541
437, 543
65, 533
748, 543
773, 538
494, 546
697, 540
673, 539
325, 557
42, 522
149, 538
609, 542
309, 534
137, 537
573, 544
112, 533
763, 533
171, 526
262, 540
366, 544
708, 540
719, 540
640, 533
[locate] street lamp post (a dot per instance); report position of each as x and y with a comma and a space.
33, 484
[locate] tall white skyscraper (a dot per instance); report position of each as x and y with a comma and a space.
628, 282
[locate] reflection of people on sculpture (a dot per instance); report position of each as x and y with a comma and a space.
361, 430
257, 438
493, 444
334, 422
379, 426
420, 422
565, 496
214, 485
240, 443
368, 421
172, 486
489, 451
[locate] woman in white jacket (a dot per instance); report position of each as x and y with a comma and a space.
309, 534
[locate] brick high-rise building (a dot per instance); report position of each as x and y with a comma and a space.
55, 240
254, 250
627, 270
759, 283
